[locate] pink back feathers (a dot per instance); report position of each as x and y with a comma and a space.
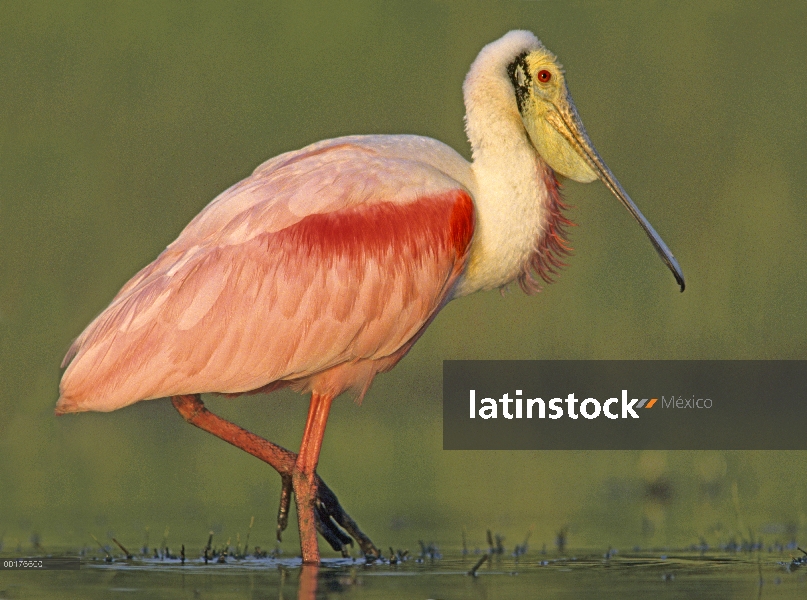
318, 271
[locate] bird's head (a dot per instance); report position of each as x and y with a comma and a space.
549, 115
557, 133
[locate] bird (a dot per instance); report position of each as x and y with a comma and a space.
322, 268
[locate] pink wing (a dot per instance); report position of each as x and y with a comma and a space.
318, 271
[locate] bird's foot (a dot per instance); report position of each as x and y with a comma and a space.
331, 520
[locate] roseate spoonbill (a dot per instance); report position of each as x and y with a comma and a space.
323, 267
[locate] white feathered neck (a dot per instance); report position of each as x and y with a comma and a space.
516, 192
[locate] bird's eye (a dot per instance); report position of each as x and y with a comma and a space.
544, 75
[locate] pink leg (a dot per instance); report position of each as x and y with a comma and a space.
328, 513
194, 412
304, 474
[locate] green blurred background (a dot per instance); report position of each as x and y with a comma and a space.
120, 121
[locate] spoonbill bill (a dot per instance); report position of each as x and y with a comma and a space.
325, 266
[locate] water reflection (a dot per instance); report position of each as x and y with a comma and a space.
308, 582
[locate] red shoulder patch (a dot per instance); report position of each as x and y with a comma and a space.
462, 221
428, 225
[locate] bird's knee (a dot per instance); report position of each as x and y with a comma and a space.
188, 406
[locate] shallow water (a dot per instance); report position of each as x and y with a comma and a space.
677, 575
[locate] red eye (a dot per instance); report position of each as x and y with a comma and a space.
544, 75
